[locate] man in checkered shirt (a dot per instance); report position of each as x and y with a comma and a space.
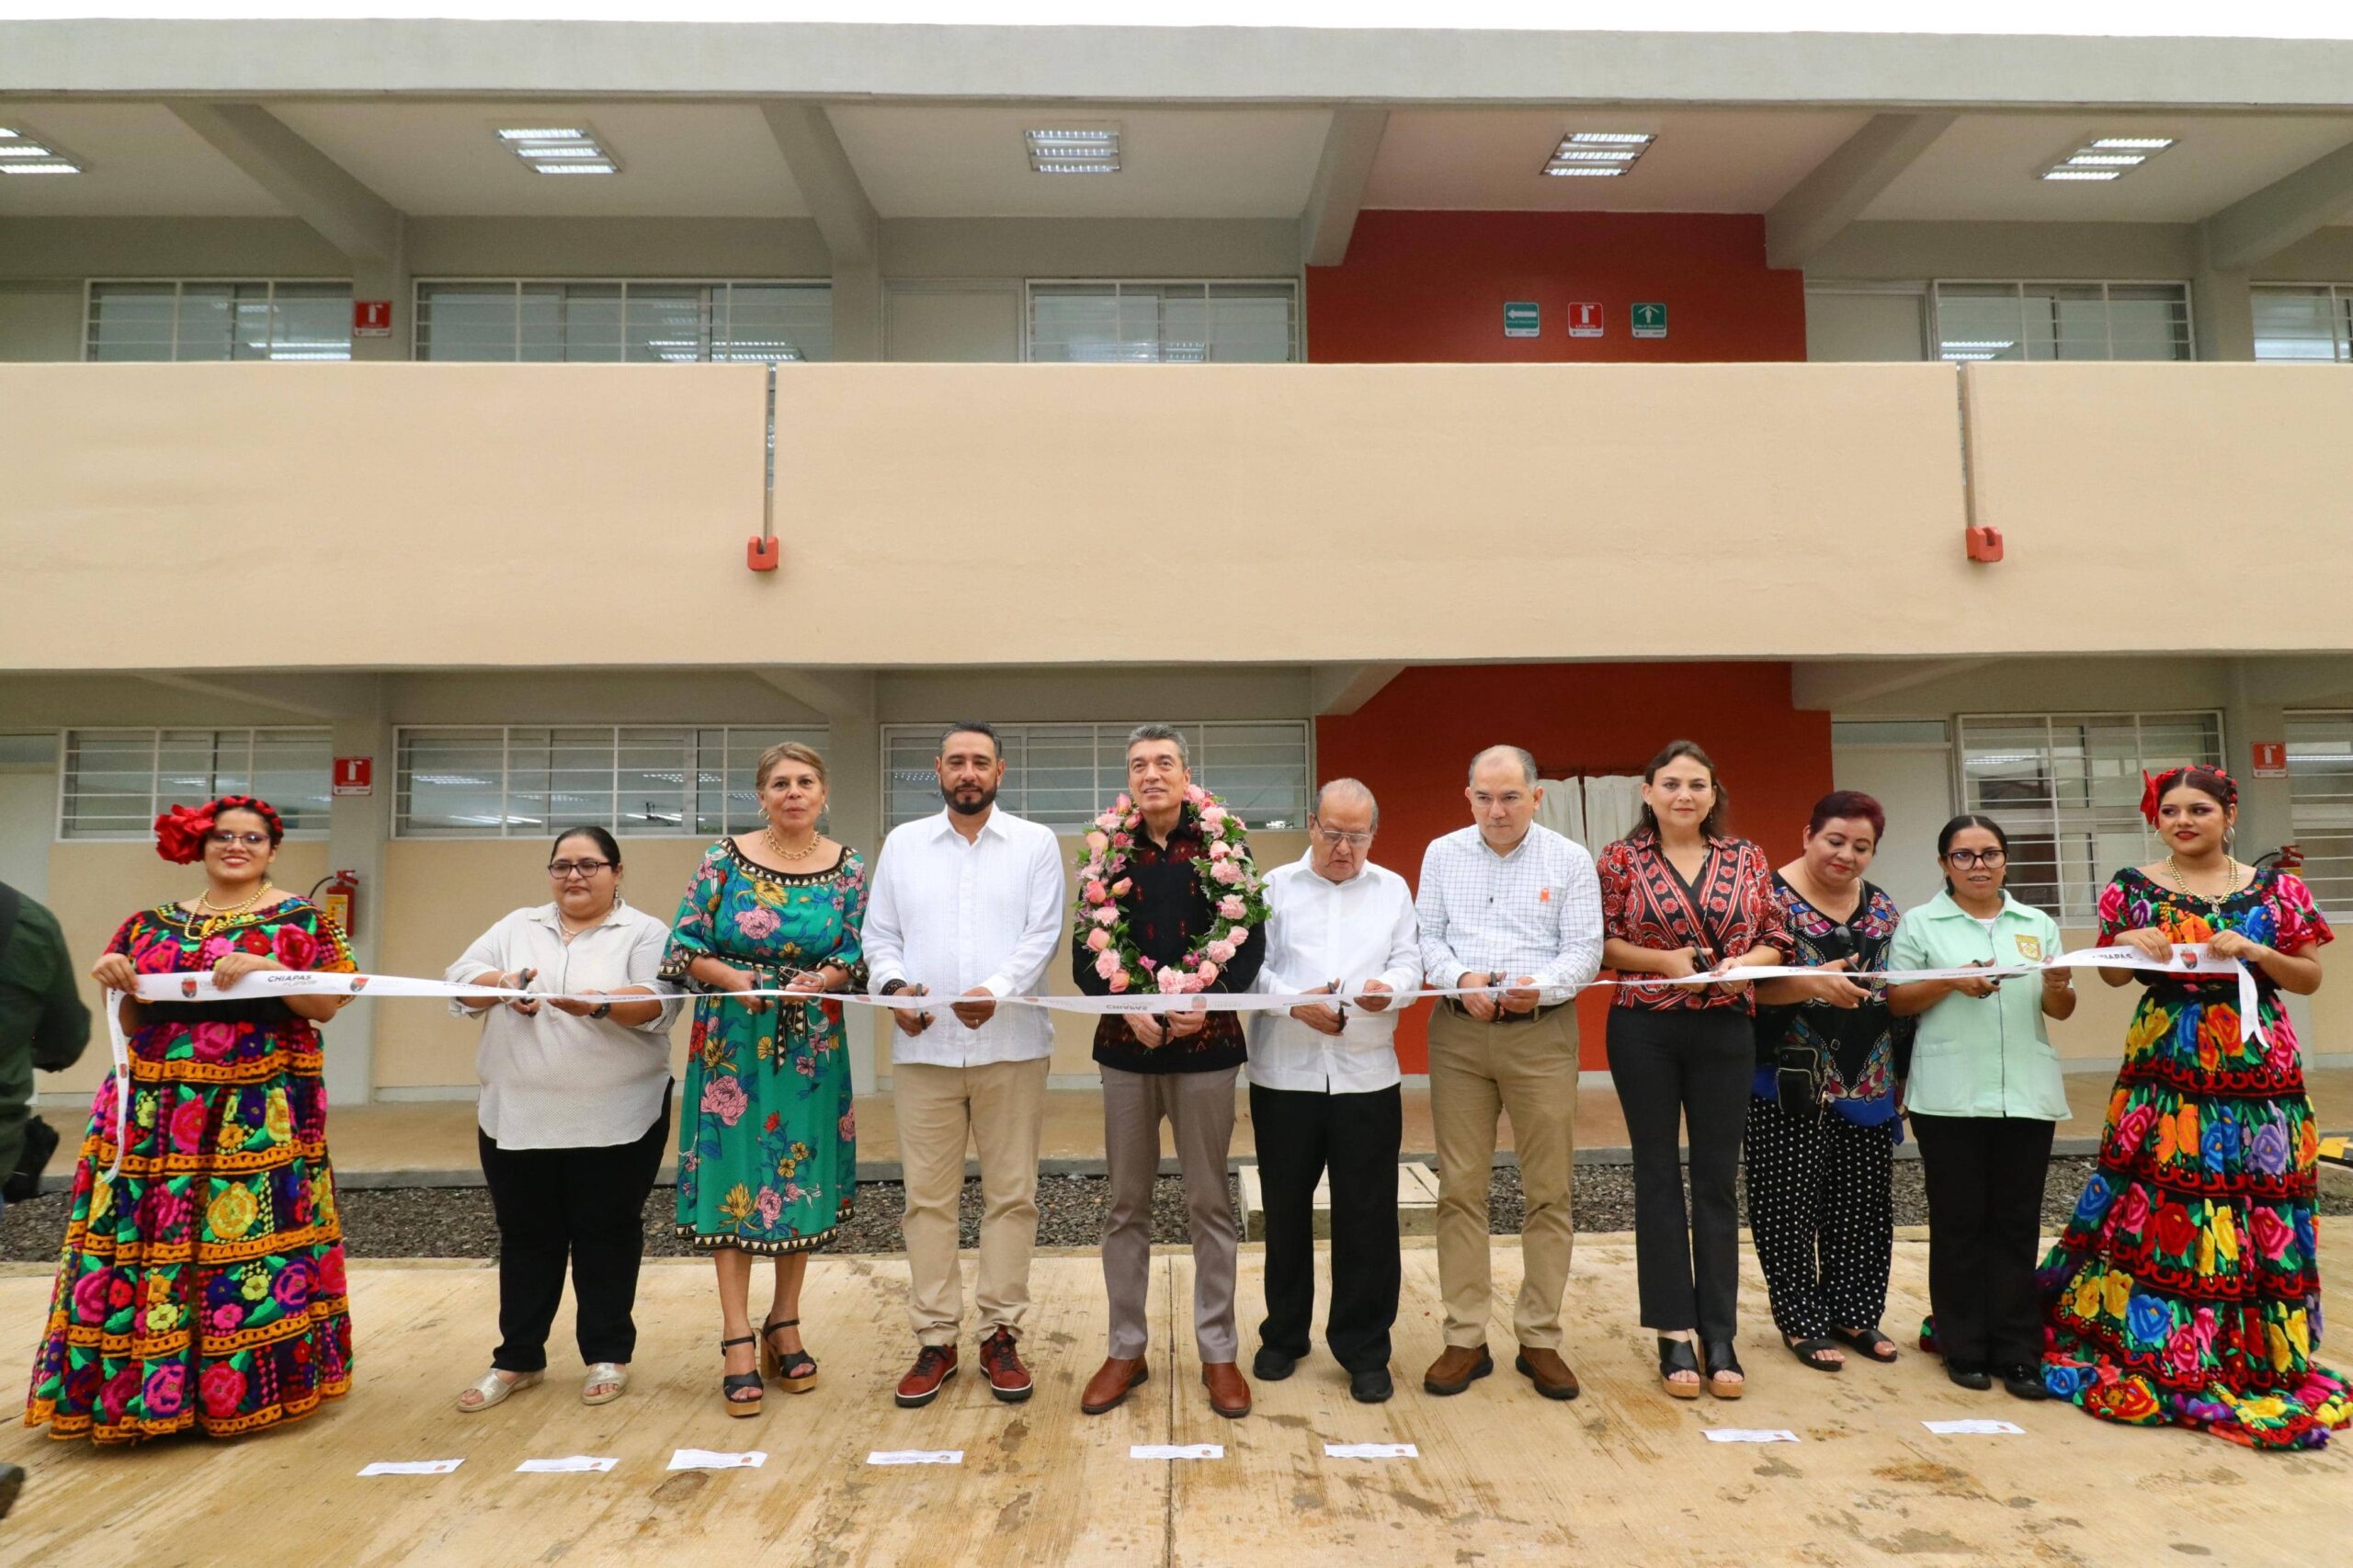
1514, 909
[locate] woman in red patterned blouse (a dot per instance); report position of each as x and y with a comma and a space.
1678, 899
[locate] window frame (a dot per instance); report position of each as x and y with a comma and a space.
156, 804
1114, 734
417, 322
2326, 884
90, 286
2340, 318
818, 735
1029, 287
2072, 823
2019, 285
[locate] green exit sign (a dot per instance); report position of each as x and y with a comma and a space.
1650, 321
1522, 319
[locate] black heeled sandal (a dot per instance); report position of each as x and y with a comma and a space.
795, 1371
731, 1384
1674, 1355
1725, 1378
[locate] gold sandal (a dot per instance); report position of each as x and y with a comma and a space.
494, 1389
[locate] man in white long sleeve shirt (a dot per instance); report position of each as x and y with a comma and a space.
967, 904
1325, 1090
1514, 909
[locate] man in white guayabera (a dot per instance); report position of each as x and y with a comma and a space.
967, 906
1324, 1089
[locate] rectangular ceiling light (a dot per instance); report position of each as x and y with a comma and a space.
2106, 158
559, 148
1074, 150
24, 152
1587, 154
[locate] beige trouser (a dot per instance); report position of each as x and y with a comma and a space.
1528, 1072
1000, 1106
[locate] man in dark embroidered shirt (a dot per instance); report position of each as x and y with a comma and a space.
1178, 1065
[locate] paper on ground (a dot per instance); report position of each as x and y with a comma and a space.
705, 1459
915, 1456
411, 1467
1371, 1451
1975, 1427
1748, 1435
1176, 1450
569, 1462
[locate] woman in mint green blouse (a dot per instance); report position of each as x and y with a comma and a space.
1983, 1093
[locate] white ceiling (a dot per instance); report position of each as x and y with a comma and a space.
1984, 168
713, 160
919, 161
1704, 160
140, 159
716, 158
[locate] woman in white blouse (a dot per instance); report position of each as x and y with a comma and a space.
575, 1110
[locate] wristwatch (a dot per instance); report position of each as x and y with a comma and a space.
602, 1009
893, 987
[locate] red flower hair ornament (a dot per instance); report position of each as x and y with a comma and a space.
180, 832
2153, 787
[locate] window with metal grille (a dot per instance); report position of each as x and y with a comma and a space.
1163, 322
207, 319
639, 322
2319, 785
114, 783
2066, 789
2303, 321
1977, 321
1063, 774
637, 781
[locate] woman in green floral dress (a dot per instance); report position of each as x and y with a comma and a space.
768, 1141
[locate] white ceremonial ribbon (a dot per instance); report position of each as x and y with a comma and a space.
2192, 959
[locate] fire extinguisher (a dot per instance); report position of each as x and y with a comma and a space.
339, 900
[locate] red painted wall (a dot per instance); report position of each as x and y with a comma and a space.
1431, 285
1413, 742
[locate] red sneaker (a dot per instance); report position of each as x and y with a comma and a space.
935, 1364
1008, 1379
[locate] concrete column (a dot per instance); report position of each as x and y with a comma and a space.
375, 279
2222, 313
854, 816
358, 828
858, 312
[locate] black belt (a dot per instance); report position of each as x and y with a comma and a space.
1454, 1004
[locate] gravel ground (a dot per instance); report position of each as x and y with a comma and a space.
455, 1221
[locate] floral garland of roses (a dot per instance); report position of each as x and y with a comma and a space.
1237, 898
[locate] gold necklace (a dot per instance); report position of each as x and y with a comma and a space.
2182, 883
775, 846
222, 914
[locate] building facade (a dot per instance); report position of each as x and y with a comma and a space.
1958, 419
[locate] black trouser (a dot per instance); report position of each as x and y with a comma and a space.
1822, 1216
1984, 1179
1302, 1134
1691, 1065
582, 1206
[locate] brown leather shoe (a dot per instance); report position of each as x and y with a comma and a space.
935, 1364
1458, 1368
1547, 1372
1229, 1391
1112, 1383
1008, 1379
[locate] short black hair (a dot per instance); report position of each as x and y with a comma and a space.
971, 727
605, 842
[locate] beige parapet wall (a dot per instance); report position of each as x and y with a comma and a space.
1500, 512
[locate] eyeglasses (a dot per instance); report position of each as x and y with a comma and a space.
1968, 860
563, 870
225, 838
1353, 840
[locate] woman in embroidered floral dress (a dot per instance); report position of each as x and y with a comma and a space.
768, 1141
201, 1284
2185, 1289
